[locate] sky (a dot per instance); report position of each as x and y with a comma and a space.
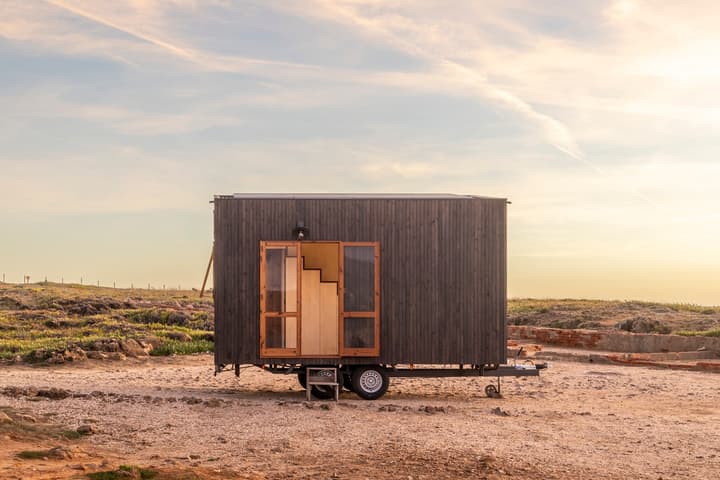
599, 120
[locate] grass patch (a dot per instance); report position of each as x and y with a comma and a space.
124, 472
699, 333
174, 347
34, 454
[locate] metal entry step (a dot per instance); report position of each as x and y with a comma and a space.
327, 376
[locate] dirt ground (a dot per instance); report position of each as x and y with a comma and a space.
577, 420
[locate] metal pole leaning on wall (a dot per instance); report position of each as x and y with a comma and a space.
207, 272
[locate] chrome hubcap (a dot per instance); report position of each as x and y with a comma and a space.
371, 381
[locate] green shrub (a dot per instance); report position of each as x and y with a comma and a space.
174, 347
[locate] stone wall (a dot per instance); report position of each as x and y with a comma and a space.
613, 341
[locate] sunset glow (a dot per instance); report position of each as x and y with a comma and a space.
598, 120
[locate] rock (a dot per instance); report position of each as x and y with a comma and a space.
326, 406
116, 356
74, 354
107, 346
39, 355
95, 355
60, 452
132, 348
27, 418
55, 359
500, 412
86, 429
4, 418
178, 318
180, 336
51, 393
153, 341
213, 402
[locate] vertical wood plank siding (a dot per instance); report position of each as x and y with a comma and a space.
443, 276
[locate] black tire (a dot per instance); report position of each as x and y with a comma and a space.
370, 383
323, 392
302, 379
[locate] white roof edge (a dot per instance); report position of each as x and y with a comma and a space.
349, 196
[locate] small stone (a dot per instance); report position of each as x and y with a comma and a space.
116, 356
27, 418
86, 429
326, 406
132, 348
4, 418
60, 452
500, 412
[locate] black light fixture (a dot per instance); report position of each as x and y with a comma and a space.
300, 231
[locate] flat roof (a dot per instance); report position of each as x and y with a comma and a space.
350, 196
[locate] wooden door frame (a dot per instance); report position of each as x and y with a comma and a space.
297, 351
279, 352
358, 352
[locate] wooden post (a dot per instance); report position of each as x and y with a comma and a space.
207, 272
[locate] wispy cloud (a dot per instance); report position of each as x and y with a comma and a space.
448, 70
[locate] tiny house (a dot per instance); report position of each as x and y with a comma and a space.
366, 285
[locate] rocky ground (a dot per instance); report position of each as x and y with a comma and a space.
629, 316
55, 324
171, 416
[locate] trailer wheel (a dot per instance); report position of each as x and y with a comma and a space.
302, 379
370, 383
491, 391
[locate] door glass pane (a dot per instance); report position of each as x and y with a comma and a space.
281, 279
359, 332
280, 332
359, 277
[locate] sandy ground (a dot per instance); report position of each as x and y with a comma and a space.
578, 420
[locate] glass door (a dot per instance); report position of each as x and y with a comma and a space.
280, 291
360, 299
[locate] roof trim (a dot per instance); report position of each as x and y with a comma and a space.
351, 196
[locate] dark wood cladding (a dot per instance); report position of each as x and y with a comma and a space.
442, 272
